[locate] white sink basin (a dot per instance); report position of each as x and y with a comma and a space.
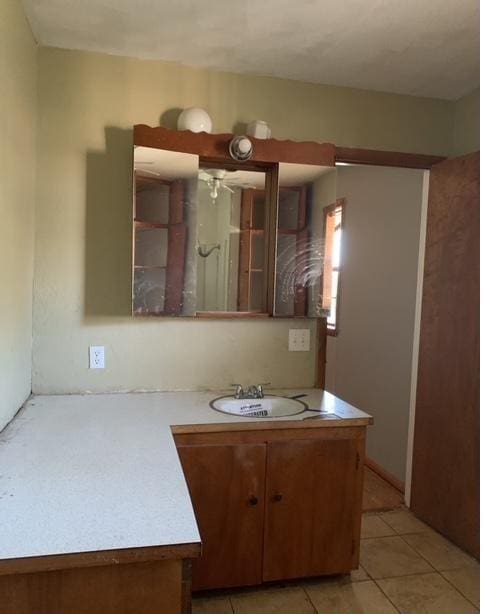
268, 407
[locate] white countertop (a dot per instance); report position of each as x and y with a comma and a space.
83, 473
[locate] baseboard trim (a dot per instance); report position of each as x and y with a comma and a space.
385, 475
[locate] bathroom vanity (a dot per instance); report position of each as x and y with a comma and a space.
275, 503
106, 501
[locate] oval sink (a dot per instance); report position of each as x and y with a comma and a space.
269, 407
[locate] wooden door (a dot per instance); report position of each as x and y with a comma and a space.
226, 484
252, 267
445, 459
313, 506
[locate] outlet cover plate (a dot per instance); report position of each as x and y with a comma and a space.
96, 357
299, 339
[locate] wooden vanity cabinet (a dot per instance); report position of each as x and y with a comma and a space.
312, 494
274, 504
227, 488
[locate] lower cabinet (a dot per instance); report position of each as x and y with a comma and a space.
227, 488
274, 505
311, 501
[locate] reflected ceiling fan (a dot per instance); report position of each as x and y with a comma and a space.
216, 179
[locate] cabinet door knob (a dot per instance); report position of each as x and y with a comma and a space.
278, 497
253, 501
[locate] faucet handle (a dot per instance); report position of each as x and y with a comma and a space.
264, 384
259, 388
238, 390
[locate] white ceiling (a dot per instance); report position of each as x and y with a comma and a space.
417, 47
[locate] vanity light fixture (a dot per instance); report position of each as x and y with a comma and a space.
241, 148
259, 129
195, 119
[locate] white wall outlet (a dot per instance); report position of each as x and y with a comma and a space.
299, 339
96, 357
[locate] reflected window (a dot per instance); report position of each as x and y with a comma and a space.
305, 191
333, 216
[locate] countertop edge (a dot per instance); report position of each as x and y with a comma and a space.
313, 422
123, 556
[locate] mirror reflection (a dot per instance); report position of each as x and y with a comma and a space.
203, 238
303, 284
231, 240
165, 197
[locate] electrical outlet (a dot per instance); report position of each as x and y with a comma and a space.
299, 339
96, 357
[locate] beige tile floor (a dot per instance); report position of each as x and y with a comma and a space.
405, 567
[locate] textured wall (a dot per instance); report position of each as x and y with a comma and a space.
466, 126
87, 106
18, 101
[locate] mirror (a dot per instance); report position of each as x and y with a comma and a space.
306, 192
231, 241
211, 239
165, 204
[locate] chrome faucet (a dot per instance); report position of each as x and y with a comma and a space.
252, 392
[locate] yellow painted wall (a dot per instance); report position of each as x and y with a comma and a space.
18, 101
87, 106
466, 126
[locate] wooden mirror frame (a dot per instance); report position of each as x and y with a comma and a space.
213, 149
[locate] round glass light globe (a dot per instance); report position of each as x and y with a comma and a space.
244, 146
195, 119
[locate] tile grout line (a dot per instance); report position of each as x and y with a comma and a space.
418, 573
401, 536
422, 573
316, 611
394, 534
406, 575
456, 588
370, 580
377, 583
387, 596
429, 562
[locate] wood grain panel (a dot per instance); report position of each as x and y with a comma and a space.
175, 269
321, 361
377, 157
311, 500
226, 484
215, 146
232, 434
446, 446
245, 253
99, 558
150, 588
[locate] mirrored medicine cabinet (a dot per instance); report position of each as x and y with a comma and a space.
213, 237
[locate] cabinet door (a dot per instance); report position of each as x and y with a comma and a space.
226, 484
313, 505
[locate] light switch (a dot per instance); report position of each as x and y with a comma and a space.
299, 339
